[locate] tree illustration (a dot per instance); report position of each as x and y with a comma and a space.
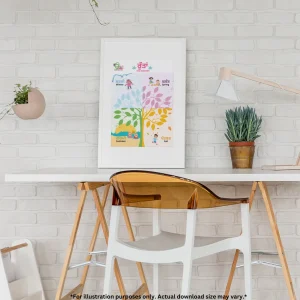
143, 108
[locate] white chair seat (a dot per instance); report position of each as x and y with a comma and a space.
167, 241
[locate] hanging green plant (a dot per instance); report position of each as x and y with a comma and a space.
93, 4
29, 103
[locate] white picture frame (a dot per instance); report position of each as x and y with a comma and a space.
128, 138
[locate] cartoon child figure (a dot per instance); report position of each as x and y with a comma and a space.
155, 138
129, 135
136, 136
151, 82
129, 84
157, 83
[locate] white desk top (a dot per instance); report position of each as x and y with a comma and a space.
202, 175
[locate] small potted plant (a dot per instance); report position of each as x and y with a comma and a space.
243, 126
29, 103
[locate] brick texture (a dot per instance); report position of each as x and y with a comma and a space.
56, 44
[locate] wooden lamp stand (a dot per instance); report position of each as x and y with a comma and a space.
226, 91
283, 167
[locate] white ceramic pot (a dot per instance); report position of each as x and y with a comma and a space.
34, 108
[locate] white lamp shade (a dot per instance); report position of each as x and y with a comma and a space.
226, 90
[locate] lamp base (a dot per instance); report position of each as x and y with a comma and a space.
283, 167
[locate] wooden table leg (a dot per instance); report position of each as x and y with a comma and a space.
94, 237
101, 221
276, 235
237, 252
71, 246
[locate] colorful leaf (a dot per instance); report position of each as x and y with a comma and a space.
164, 116
152, 102
128, 114
156, 90
163, 120
156, 105
134, 117
158, 99
168, 98
152, 113
159, 110
147, 102
117, 112
135, 123
148, 94
121, 122
144, 88
148, 124
152, 126
132, 109
165, 111
128, 123
160, 123
158, 95
117, 116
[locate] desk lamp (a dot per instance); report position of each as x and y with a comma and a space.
227, 91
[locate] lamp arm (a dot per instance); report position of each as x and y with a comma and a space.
266, 82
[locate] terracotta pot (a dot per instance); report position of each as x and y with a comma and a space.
34, 108
242, 154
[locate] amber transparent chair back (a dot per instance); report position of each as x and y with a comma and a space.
156, 190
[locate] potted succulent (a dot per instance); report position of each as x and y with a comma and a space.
29, 103
243, 126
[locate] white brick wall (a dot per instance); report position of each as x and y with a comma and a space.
56, 44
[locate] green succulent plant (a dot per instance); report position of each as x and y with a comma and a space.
243, 124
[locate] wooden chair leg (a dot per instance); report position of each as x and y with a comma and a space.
132, 238
276, 235
104, 226
237, 252
71, 246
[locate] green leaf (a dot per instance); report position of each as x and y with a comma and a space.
243, 124
135, 123
121, 122
117, 112
134, 117
128, 114
117, 116
128, 123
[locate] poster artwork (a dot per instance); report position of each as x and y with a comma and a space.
142, 104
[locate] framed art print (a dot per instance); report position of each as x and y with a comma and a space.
142, 103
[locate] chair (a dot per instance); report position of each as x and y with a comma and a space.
157, 191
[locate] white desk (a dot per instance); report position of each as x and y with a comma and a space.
90, 179
202, 175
